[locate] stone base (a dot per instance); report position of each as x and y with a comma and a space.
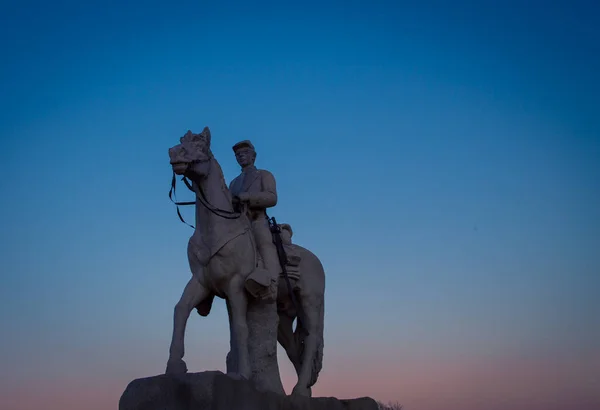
216, 391
262, 319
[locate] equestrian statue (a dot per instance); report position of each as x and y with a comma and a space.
239, 254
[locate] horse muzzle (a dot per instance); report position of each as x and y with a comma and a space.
180, 167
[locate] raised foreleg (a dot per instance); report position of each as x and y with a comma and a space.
192, 295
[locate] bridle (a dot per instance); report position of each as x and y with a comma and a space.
200, 197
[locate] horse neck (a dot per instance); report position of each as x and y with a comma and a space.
215, 191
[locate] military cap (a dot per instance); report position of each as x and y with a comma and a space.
242, 144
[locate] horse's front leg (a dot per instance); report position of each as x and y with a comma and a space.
192, 295
238, 302
231, 359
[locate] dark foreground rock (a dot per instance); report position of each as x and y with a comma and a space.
216, 391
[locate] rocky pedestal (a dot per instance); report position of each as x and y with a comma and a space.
216, 391
262, 321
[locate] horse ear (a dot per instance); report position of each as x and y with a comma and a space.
206, 134
187, 135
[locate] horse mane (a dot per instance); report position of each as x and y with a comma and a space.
219, 170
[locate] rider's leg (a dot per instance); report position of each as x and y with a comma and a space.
267, 279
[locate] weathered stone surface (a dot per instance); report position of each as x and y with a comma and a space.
216, 391
262, 345
232, 255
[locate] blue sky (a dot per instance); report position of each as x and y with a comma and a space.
441, 158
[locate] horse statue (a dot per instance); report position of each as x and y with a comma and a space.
222, 254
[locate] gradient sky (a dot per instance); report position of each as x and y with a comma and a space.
442, 159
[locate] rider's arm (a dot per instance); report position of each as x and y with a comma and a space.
268, 197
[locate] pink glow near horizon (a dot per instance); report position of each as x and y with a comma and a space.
442, 163
502, 383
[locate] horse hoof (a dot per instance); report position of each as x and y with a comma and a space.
301, 391
175, 367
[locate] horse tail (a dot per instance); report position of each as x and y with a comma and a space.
317, 364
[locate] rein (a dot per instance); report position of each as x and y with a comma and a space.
223, 213
207, 205
177, 204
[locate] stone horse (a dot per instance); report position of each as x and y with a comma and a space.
222, 254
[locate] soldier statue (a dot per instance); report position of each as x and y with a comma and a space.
256, 189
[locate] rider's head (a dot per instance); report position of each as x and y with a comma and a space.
244, 153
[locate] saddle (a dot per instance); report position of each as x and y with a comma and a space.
292, 265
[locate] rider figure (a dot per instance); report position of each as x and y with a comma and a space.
256, 188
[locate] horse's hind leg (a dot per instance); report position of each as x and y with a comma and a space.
311, 310
285, 337
193, 294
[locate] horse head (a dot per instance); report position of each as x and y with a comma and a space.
192, 148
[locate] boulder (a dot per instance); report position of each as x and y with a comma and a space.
214, 390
